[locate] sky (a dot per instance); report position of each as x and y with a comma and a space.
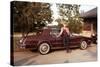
55, 15
86, 8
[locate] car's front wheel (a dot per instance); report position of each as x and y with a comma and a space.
44, 48
83, 45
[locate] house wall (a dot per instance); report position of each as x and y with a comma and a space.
90, 26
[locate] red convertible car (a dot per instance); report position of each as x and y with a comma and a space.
46, 39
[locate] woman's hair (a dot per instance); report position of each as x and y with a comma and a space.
65, 23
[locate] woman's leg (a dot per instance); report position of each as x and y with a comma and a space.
66, 43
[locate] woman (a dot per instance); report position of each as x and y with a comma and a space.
66, 35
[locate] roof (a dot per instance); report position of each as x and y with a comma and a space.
90, 14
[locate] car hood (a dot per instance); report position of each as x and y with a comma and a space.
78, 36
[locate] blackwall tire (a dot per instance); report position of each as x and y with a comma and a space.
44, 48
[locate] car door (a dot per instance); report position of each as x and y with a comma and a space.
74, 40
59, 42
52, 39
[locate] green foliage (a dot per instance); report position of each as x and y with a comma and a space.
70, 14
75, 26
30, 16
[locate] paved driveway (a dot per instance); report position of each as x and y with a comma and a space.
56, 56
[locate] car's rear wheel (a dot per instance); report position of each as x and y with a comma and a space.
44, 48
83, 45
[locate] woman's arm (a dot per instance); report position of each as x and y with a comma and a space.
60, 32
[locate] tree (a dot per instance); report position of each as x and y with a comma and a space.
30, 16
70, 14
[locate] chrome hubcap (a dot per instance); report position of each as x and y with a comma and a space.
44, 48
83, 44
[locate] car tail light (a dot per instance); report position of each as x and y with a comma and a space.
22, 43
21, 40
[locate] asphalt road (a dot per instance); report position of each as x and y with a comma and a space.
57, 56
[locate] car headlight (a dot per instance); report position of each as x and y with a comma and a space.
93, 34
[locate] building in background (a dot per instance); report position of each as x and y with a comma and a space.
90, 22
